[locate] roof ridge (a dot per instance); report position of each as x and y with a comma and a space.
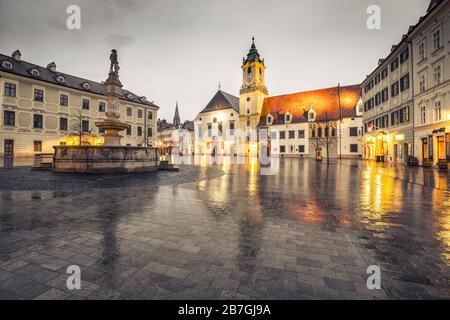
313, 90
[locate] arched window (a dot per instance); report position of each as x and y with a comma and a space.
209, 130
260, 74
248, 123
220, 129
319, 132
249, 73
333, 132
326, 131
313, 132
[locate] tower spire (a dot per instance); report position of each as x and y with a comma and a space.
176, 117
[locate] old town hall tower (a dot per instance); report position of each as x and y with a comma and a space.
252, 94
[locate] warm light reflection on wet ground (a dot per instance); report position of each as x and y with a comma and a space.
309, 231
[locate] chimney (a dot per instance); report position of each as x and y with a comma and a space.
51, 66
16, 55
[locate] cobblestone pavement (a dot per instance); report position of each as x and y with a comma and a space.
308, 232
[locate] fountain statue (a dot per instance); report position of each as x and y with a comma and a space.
110, 157
112, 125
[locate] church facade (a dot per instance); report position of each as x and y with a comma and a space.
325, 121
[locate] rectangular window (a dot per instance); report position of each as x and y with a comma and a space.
85, 125
282, 135
37, 121
101, 107
129, 112
422, 83
85, 104
437, 39
423, 115
282, 149
274, 135
63, 124
10, 89
291, 134
377, 78
301, 134
129, 131
385, 95
63, 100
38, 95
353, 148
394, 89
353, 131
139, 113
37, 145
404, 56
384, 73
149, 132
422, 53
437, 111
9, 118
394, 64
404, 82
377, 98
139, 131
301, 149
150, 115
437, 69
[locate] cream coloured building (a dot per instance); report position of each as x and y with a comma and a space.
231, 125
41, 107
328, 121
388, 105
406, 98
431, 57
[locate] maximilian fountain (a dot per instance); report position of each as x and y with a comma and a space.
111, 156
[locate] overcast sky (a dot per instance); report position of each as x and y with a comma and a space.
179, 50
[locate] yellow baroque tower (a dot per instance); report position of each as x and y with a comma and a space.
252, 94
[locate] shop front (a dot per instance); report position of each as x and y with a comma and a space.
434, 147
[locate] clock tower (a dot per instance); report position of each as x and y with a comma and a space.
251, 99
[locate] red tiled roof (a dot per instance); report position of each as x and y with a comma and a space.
325, 102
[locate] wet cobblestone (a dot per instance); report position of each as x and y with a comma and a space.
308, 232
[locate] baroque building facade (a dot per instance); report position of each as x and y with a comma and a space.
406, 98
42, 107
431, 57
231, 125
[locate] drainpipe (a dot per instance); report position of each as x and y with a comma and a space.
409, 42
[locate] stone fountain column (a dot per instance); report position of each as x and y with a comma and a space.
112, 125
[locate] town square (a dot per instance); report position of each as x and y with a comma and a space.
125, 175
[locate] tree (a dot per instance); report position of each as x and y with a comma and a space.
326, 138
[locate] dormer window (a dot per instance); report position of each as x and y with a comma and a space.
34, 72
60, 79
311, 115
7, 65
143, 99
129, 96
269, 119
288, 117
86, 85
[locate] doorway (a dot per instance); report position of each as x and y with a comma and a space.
9, 148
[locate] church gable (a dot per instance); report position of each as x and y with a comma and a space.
222, 101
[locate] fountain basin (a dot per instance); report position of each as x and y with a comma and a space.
105, 159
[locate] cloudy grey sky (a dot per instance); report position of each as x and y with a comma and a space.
178, 50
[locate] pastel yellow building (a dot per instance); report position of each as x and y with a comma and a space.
42, 107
